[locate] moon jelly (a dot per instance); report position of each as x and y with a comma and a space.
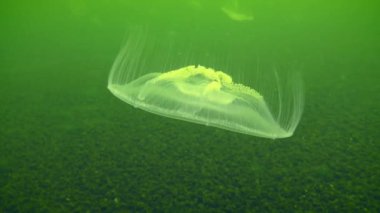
163, 77
234, 11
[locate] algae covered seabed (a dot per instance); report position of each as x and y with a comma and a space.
68, 145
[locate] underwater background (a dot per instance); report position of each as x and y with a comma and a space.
68, 145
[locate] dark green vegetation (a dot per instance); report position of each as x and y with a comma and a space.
67, 144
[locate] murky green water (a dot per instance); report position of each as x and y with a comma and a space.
67, 144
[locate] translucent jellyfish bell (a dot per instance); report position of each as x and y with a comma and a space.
234, 11
160, 76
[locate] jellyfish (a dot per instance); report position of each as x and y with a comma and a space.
235, 11
154, 75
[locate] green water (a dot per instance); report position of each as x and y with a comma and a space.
68, 145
